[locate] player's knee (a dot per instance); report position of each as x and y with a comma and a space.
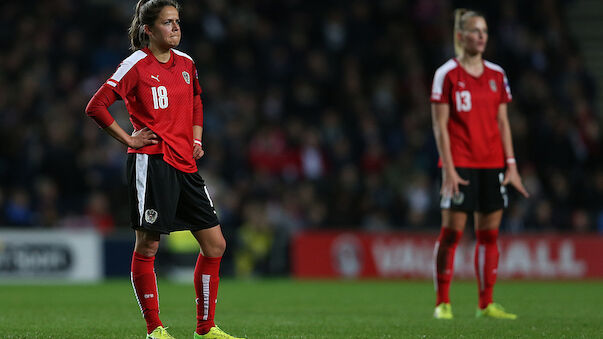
449, 237
147, 252
215, 248
147, 249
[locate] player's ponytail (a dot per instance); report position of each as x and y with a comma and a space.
146, 13
461, 15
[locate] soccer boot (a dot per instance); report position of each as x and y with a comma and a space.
215, 333
495, 311
159, 333
443, 311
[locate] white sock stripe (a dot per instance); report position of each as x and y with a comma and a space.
136, 293
156, 291
435, 265
142, 161
205, 278
481, 263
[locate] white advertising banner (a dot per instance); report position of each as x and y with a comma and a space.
46, 255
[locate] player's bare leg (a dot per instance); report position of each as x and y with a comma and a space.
147, 243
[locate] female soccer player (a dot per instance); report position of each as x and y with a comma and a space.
160, 89
469, 113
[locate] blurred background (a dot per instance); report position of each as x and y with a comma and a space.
317, 119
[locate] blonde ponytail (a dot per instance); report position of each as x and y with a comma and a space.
461, 15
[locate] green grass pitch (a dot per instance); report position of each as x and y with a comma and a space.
305, 309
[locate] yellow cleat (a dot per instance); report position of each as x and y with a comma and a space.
443, 311
215, 333
160, 333
495, 311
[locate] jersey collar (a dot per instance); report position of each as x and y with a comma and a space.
165, 65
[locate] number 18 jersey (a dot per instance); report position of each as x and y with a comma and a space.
475, 140
160, 96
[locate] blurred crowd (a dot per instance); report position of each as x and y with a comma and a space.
317, 114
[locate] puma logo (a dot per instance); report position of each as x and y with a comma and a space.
156, 77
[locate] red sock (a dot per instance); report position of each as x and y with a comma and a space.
144, 282
486, 264
444, 254
206, 287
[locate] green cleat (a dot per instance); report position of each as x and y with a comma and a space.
215, 333
160, 333
443, 311
495, 311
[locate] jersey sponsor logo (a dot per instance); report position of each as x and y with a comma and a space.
493, 86
156, 77
150, 215
186, 77
461, 84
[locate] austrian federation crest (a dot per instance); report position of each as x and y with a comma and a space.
493, 86
186, 77
150, 216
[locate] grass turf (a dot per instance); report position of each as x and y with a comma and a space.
304, 309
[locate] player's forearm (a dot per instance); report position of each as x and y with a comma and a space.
507, 141
505, 132
443, 144
119, 134
197, 132
442, 138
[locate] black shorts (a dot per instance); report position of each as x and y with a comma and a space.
164, 199
485, 192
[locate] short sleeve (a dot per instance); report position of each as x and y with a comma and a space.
125, 84
506, 94
125, 77
440, 89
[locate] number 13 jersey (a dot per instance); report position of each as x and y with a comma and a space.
475, 140
160, 96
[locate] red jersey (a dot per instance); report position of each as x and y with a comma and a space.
160, 96
475, 140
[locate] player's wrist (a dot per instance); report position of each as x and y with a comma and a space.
511, 161
448, 169
129, 141
197, 142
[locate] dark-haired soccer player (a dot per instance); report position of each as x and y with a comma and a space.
160, 89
